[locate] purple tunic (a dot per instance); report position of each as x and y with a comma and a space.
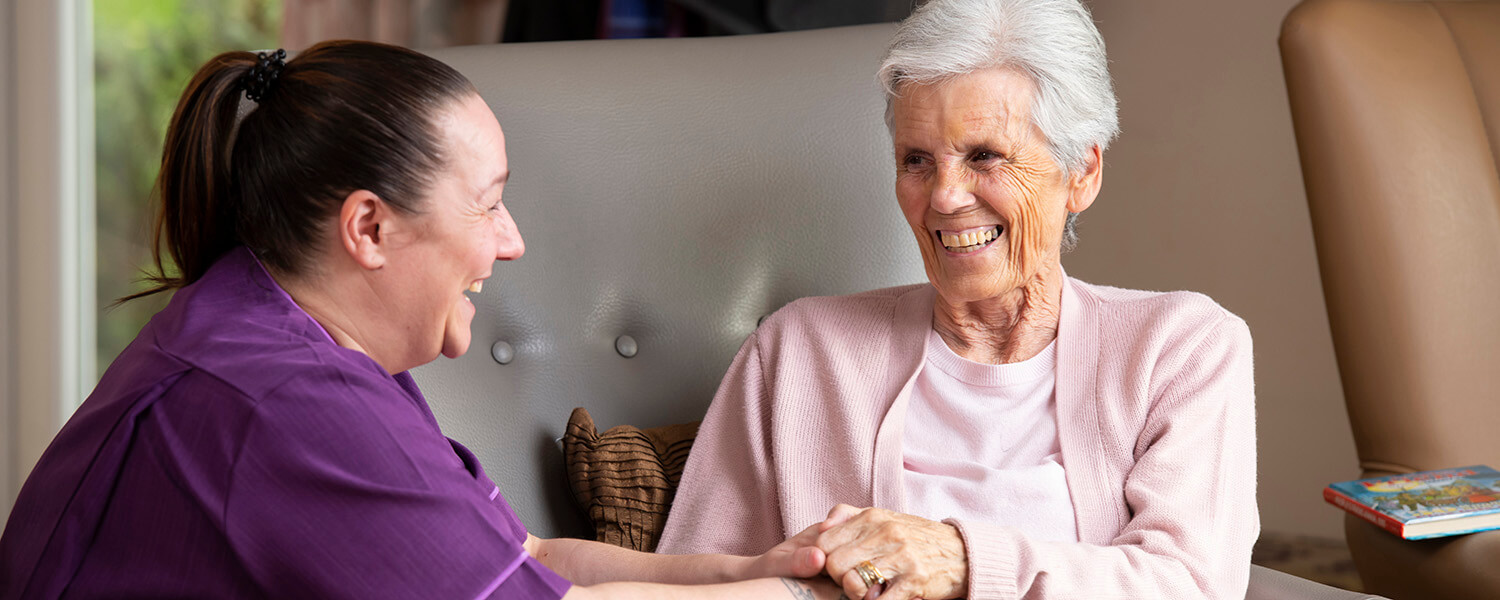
234, 451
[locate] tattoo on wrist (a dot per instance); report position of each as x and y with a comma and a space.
802, 591
798, 590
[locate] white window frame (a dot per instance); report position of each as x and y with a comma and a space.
46, 227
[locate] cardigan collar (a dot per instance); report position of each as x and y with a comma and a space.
1077, 356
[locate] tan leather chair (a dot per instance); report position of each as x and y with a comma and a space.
1397, 113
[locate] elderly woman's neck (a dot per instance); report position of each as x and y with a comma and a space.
1006, 329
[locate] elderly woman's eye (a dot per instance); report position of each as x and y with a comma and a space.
913, 162
984, 156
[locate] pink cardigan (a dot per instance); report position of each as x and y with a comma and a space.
1156, 419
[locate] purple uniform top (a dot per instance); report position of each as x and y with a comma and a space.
234, 451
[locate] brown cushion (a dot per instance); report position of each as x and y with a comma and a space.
624, 478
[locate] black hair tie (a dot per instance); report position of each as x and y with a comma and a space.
258, 81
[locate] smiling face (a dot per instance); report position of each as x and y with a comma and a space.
462, 230
977, 184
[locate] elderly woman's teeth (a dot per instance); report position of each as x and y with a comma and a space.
476, 286
971, 241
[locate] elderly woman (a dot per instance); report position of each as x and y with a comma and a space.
1020, 434
261, 437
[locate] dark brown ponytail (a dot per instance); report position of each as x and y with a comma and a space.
340, 117
193, 219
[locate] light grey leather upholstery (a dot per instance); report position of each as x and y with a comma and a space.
674, 191
1270, 584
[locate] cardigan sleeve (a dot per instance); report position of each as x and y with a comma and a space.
1191, 495
726, 502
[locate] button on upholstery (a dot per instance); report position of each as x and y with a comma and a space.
626, 346
503, 352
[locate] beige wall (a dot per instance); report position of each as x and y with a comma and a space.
1203, 191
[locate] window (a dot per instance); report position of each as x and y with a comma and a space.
145, 51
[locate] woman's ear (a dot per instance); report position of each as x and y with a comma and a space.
359, 229
1083, 186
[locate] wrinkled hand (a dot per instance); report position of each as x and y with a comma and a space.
919, 558
797, 557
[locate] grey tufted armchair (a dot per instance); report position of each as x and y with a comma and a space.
671, 193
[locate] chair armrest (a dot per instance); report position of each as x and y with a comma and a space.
1461, 566
1270, 584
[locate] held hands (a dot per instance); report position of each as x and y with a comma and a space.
796, 562
919, 558
797, 557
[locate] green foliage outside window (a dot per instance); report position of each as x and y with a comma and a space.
145, 51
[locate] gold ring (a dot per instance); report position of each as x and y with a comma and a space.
871, 575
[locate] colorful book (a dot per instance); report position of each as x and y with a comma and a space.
1426, 504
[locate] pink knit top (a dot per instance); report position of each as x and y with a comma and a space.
1156, 419
980, 442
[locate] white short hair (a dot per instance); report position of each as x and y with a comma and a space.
1052, 41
